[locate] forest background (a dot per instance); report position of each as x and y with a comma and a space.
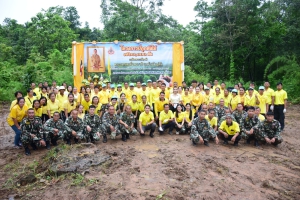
229, 40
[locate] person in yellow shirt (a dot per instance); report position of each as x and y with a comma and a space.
86, 102
112, 91
131, 92
227, 97
52, 105
216, 85
81, 111
197, 99
104, 96
44, 93
217, 96
186, 97
260, 116
138, 87
279, 104
126, 88
179, 116
263, 101
18, 94
29, 98
96, 92
252, 85
143, 103
163, 89
212, 120
69, 105
143, 92
38, 111
75, 93
36, 91
134, 107
230, 131
61, 97
222, 88
159, 104
81, 95
146, 122
269, 92
235, 100
207, 96
97, 104
15, 117
242, 95
149, 85
154, 94
191, 91
188, 117
119, 91
43, 104
166, 120
251, 99
121, 103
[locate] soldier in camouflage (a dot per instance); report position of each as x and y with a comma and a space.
270, 130
223, 118
110, 123
92, 125
76, 126
54, 129
250, 126
239, 113
126, 121
220, 110
32, 132
201, 130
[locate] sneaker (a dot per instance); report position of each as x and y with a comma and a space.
160, 129
170, 133
177, 133
113, 135
17, 147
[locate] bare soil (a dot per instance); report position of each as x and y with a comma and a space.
163, 167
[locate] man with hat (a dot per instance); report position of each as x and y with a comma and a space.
279, 104
230, 131
62, 97
207, 96
270, 131
145, 92
126, 121
235, 100
263, 101
131, 92
112, 90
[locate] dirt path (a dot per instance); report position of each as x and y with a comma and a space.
165, 167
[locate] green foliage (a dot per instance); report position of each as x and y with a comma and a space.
190, 75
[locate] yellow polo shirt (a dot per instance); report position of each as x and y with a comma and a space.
159, 106
130, 93
53, 106
38, 112
261, 117
180, 117
186, 98
154, 95
280, 96
227, 100
69, 106
269, 93
13, 103
213, 122
134, 106
142, 106
262, 103
17, 113
187, 115
231, 129
146, 118
250, 101
61, 99
197, 99
163, 117
141, 93
29, 101
235, 101
86, 105
208, 98
217, 99
103, 97
167, 93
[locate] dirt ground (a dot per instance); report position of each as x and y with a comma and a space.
163, 167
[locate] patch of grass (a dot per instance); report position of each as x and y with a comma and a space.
78, 179
161, 195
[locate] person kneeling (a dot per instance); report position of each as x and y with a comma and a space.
201, 130
110, 123
229, 131
31, 128
146, 122
92, 124
126, 121
75, 125
166, 120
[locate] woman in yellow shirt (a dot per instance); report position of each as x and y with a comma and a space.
179, 120
81, 95
76, 94
97, 104
242, 95
69, 105
186, 97
235, 100
15, 117
121, 103
143, 104
44, 93
135, 108
38, 111
18, 94
43, 104
29, 98
52, 105
188, 117
197, 99
80, 111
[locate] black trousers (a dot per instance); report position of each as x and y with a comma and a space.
169, 125
279, 115
237, 139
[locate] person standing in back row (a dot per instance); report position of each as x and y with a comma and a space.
279, 104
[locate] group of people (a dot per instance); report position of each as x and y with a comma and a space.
205, 112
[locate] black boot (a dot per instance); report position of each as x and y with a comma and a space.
124, 138
127, 136
48, 145
104, 138
206, 143
68, 142
248, 141
256, 143
151, 134
194, 143
33, 146
54, 142
76, 140
27, 151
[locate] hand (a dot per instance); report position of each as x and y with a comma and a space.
284, 110
217, 140
19, 128
156, 118
201, 140
88, 128
272, 107
273, 140
126, 126
74, 133
233, 139
98, 134
268, 140
32, 135
225, 135
251, 131
42, 143
179, 126
55, 130
142, 132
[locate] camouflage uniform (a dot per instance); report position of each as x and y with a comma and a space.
223, 118
76, 126
127, 119
50, 125
247, 124
203, 129
95, 123
271, 130
110, 121
239, 116
220, 111
31, 126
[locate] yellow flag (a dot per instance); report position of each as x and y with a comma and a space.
108, 67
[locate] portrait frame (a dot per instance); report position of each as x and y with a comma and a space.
101, 53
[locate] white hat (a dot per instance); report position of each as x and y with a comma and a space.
61, 88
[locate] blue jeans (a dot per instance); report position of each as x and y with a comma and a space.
18, 135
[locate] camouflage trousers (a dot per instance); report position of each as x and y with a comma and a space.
278, 140
91, 135
180, 130
256, 134
194, 136
68, 135
130, 131
51, 136
28, 140
106, 130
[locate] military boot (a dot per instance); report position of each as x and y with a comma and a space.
68, 142
124, 137
48, 145
27, 151
127, 136
104, 138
